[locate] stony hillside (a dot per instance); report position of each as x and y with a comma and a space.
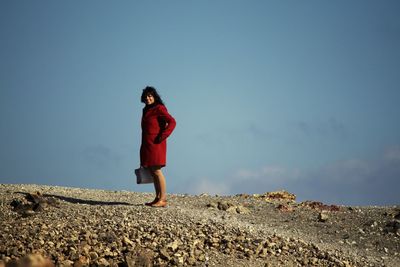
59, 226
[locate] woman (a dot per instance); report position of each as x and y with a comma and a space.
157, 125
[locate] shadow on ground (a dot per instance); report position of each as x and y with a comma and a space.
82, 201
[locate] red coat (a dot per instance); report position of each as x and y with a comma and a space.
157, 125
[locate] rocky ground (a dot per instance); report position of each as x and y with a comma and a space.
60, 226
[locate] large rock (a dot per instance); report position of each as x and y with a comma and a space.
32, 260
279, 195
316, 205
32, 203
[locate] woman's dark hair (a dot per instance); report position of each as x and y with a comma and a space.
149, 90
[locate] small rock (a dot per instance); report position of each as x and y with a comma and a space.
313, 261
82, 261
231, 209
191, 261
164, 254
127, 241
202, 257
323, 216
93, 255
102, 262
223, 205
212, 205
242, 210
285, 208
397, 215
180, 260
374, 224
174, 245
392, 227
198, 252
27, 213
140, 258
66, 263
394, 213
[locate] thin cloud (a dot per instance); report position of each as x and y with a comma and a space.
272, 174
209, 186
210, 139
258, 132
101, 156
392, 153
328, 127
366, 182
350, 182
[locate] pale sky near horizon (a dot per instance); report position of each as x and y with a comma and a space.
268, 95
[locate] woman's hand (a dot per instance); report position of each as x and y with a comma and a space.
158, 140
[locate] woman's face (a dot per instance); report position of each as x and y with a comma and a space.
149, 99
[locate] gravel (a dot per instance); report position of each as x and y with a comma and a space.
61, 226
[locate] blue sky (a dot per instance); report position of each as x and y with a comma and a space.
268, 95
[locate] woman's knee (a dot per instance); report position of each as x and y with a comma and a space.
158, 173
155, 170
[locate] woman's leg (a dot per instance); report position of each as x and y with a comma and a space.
156, 186
160, 186
156, 183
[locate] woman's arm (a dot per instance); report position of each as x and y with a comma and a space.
170, 122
